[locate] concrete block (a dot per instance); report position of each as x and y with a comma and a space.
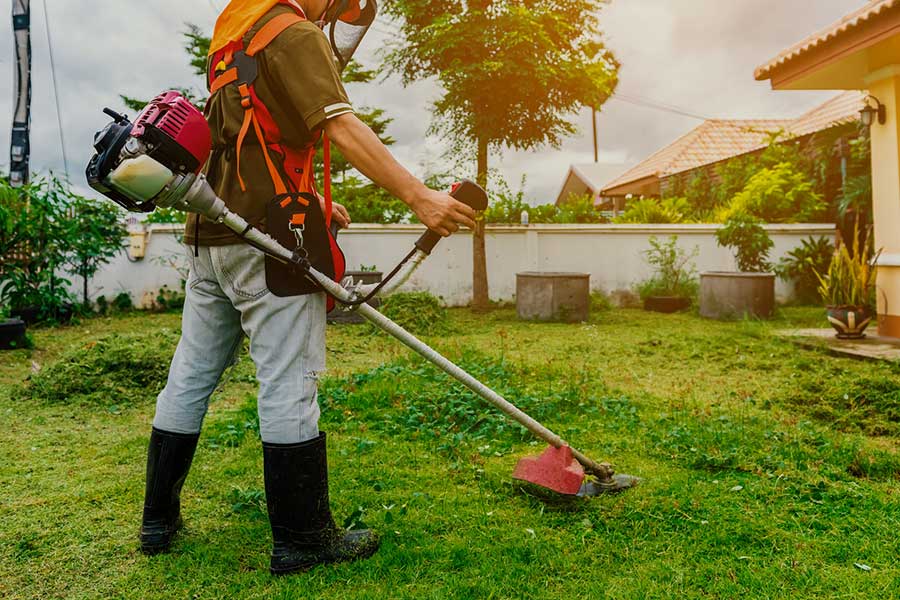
553, 296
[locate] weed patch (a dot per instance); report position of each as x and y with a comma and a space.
248, 501
119, 369
411, 398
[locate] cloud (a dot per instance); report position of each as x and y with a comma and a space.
694, 54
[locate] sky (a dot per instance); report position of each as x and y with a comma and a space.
695, 55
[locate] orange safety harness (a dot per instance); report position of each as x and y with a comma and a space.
235, 64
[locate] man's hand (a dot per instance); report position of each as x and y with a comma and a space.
338, 212
441, 212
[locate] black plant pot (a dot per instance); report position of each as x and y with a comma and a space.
850, 322
12, 334
666, 304
366, 278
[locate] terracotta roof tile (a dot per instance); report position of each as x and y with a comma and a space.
719, 139
846, 24
710, 142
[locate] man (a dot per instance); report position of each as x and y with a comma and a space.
299, 84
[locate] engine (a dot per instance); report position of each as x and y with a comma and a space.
136, 162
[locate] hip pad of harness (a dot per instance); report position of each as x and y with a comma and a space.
314, 242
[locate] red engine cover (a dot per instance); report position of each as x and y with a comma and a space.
175, 116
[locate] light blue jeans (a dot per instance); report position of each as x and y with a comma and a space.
227, 297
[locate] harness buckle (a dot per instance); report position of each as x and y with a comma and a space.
298, 233
247, 68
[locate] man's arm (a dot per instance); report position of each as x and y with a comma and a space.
440, 212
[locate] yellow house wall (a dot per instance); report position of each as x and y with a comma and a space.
886, 202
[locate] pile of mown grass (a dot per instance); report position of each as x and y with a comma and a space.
417, 312
118, 369
849, 401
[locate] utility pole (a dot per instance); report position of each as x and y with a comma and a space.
594, 125
20, 144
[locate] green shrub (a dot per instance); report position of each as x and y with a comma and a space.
417, 312
119, 369
749, 242
600, 302
168, 299
654, 210
122, 302
674, 273
801, 264
44, 228
780, 194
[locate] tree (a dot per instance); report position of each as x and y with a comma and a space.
514, 72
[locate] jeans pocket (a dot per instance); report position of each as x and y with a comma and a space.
199, 268
245, 268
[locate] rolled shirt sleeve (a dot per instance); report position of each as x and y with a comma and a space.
302, 62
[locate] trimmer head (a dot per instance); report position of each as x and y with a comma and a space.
557, 470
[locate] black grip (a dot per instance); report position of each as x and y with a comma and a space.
467, 192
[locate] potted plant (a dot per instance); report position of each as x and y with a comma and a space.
848, 288
751, 290
673, 284
12, 331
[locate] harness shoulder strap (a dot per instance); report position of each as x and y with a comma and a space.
271, 30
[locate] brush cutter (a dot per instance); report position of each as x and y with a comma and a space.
156, 162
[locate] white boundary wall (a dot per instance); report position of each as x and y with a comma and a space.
612, 254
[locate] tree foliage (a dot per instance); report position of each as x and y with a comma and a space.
513, 73
749, 242
778, 194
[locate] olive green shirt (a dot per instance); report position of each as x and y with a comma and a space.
300, 85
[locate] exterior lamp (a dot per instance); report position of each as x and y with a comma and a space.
868, 113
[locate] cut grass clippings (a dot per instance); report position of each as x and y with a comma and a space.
758, 481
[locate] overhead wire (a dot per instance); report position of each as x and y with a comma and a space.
648, 103
62, 137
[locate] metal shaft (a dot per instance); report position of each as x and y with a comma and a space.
236, 223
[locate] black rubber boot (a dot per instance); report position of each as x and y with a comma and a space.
168, 460
303, 530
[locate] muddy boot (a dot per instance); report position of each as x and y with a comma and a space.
168, 460
303, 530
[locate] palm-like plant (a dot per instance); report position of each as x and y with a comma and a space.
851, 276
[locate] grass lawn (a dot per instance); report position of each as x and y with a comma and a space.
769, 471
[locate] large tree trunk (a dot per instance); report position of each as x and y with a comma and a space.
480, 297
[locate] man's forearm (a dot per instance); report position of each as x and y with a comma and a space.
369, 156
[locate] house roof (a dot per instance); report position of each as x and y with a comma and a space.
845, 26
720, 139
712, 141
588, 178
843, 108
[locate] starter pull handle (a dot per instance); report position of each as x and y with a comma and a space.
466, 191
